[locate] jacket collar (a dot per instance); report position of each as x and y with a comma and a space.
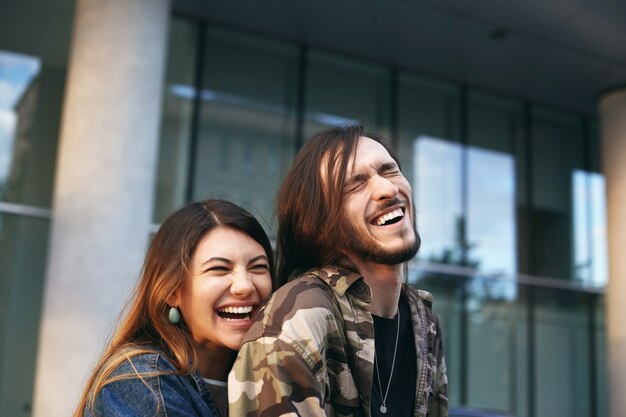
341, 280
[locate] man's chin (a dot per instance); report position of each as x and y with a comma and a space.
390, 256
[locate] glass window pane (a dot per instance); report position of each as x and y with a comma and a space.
23, 248
428, 134
557, 151
601, 360
589, 218
495, 126
343, 91
437, 193
562, 354
246, 132
497, 346
27, 137
247, 124
179, 94
589, 224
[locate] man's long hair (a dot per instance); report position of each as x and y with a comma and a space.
311, 199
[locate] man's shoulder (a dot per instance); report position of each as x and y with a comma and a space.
306, 304
419, 294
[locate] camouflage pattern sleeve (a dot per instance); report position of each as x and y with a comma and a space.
271, 378
438, 407
280, 369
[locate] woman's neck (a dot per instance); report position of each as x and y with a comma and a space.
216, 363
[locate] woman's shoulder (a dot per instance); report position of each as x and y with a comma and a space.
145, 362
141, 382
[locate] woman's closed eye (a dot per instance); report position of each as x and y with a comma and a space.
259, 268
218, 269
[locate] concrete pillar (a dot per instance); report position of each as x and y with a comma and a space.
613, 118
104, 188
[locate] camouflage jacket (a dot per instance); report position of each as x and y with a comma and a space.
310, 352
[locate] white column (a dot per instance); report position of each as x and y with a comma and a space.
104, 188
613, 118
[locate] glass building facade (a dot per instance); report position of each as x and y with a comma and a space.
509, 200
508, 195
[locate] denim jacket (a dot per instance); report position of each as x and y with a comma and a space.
168, 395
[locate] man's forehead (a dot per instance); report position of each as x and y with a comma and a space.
369, 153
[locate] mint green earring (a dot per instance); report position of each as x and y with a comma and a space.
174, 315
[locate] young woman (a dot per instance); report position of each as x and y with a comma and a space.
207, 272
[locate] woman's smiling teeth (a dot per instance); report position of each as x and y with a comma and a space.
235, 313
389, 218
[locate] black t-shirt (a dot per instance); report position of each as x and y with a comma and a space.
401, 397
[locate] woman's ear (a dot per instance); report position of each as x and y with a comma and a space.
173, 300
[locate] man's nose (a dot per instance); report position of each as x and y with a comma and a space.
383, 188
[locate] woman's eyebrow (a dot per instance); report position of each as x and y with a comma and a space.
258, 258
216, 258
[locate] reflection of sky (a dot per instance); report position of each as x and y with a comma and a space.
437, 182
16, 73
590, 245
491, 202
491, 210
189, 92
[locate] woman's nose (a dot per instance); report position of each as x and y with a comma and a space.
241, 285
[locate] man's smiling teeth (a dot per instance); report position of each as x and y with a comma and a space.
236, 310
387, 217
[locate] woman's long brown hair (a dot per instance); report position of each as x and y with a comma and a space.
145, 327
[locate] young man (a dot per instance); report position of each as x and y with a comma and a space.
343, 336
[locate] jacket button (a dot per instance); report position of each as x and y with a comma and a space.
362, 335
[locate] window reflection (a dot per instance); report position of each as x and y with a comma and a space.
18, 75
342, 91
491, 210
437, 189
590, 246
490, 218
246, 126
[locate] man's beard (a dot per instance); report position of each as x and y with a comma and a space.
367, 249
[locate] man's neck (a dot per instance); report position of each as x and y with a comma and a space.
385, 281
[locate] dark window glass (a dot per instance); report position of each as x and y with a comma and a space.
428, 134
176, 120
495, 125
23, 243
343, 91
557, 151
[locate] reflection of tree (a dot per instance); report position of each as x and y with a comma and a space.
466, 282
471, 307
582, 270
459, 253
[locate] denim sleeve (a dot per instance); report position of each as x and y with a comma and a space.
130, 398
150, 396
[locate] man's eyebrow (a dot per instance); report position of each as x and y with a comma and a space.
387, 166
356, 178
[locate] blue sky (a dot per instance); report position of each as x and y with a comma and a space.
16, 73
